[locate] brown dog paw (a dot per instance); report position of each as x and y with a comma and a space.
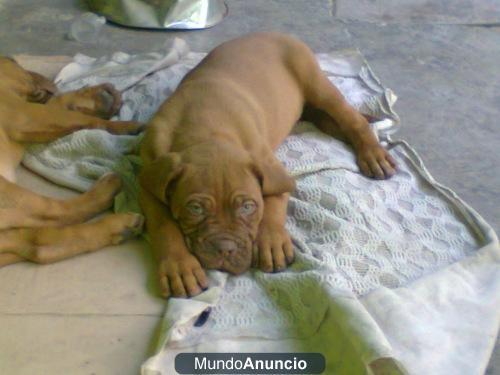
376, 162
125, 227
181, 276
108, 100
42, 89
274, 250
101, 101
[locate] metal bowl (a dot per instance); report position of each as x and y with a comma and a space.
162, 14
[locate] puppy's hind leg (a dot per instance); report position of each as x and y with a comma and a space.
320, 93
323, 121
49, 244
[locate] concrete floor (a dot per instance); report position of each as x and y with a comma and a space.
440, 57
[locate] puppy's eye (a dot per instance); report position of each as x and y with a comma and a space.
195, 209
247, 208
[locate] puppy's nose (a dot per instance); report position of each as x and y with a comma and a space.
225, 246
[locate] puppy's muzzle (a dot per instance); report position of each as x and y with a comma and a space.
223, 252
223, 246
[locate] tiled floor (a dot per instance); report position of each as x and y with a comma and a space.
98, 313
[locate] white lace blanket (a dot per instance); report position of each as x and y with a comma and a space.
398, 268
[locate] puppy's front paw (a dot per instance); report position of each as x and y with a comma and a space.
375, 161
181, 276
274, 250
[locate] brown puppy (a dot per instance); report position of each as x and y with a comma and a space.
30, 225
213, 192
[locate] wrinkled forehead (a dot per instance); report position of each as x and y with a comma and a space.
216, 180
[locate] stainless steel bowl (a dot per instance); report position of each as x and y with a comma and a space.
162, 14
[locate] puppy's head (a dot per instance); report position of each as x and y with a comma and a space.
215, 192
30, 85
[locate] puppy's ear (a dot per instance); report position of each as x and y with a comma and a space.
274, 178
156, 176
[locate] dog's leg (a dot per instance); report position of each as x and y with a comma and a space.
48, 245
102, 101
29, 86
180, 273
22, 208
42, 88
324, 122
373, 159
344, 121
44, 123
274, 247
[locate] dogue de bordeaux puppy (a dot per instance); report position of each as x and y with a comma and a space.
213, 193
37, 228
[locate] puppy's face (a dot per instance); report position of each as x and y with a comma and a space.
215, 193
218, 208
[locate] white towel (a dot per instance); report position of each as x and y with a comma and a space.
398, 268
